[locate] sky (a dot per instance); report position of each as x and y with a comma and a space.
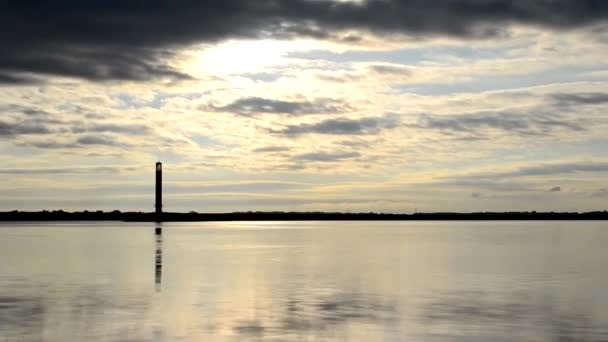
302, 105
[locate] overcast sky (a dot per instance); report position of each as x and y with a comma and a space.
379, 105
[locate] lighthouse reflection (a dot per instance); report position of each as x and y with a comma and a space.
158, 260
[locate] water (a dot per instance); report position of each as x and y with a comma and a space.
304, 281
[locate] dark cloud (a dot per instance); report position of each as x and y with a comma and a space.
272, 149
555, 189
258, 105
371, 125
131, 39
581, 98
93, 64
326, 156
521, 124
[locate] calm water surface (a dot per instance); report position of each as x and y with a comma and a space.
304, 281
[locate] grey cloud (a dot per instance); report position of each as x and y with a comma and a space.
371, 125
117, 40
34, 112
248, 187
133, 129
387, 69
580, 98
482, 182
47, 144
258, 105
12, 129
350, 38
96, 140
272, 149
514, 180
30, 116
16, 79
34, 171
326, 156
263, 76
545, 170
603, 192
339, 78
31, 121
521, 124
86, 140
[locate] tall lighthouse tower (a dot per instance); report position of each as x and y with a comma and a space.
159, 190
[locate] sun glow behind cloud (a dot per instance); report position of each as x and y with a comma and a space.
246, 56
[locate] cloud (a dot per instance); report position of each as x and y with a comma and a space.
371, 125
96, 140
263, 76
521, 124
388, 69
581, 98
15, 79
339, 77
258, 105
474, 181
555, 189
130, 40
95, 64
86, 140
603, 192
88, 170
271, 149
12, 129
238, 187
46, 144
545, 170
326, 156
133, 129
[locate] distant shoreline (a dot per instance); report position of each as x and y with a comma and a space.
59, 215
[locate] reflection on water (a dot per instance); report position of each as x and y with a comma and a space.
21, 316
321, 317
158, 259
482, 316
304, 281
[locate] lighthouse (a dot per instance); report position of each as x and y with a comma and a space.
159, 190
